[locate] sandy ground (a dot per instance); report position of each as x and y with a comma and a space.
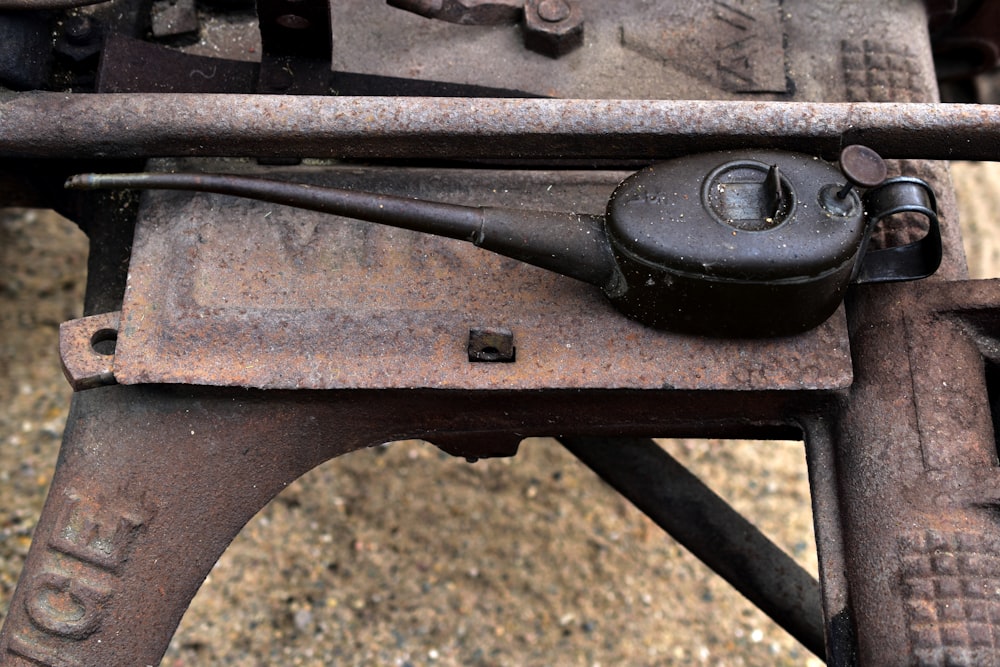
401, 555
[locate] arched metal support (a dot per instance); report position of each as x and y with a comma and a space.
152, 485
154, 481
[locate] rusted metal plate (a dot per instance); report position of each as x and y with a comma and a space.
711, 49
737, 47
232, 292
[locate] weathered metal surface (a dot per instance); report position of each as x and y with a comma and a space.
296, 43
296, 28
828, 525
916, 474
129, 65
42, 5
134, 66
902, 465
914, 466
265, 296
747, 41
667, 49
465, 12
713, 531
171, 18
53, 125
25, 57
87, 350
129, 532
492, 345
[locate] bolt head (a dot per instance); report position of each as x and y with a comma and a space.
78, 29
553, 27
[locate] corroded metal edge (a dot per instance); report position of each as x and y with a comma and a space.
85, 363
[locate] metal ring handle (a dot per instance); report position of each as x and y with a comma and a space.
912, 261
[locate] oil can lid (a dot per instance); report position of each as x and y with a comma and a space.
736, 215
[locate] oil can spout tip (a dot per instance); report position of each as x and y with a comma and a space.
108, 181
79, 182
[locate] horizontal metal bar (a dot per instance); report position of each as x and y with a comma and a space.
37, 5
53, 125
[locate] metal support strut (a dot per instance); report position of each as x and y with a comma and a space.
711, 529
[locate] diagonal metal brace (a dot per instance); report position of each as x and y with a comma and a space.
706, 525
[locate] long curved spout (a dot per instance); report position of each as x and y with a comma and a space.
566, 243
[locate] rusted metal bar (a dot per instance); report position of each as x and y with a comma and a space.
495, 12
710, 528
828, 527
54, 125
38, 5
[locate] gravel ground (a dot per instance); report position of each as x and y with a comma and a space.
401, 555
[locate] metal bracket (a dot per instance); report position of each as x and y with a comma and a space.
87, 350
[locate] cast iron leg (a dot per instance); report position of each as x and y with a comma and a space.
917, 476
152, 484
